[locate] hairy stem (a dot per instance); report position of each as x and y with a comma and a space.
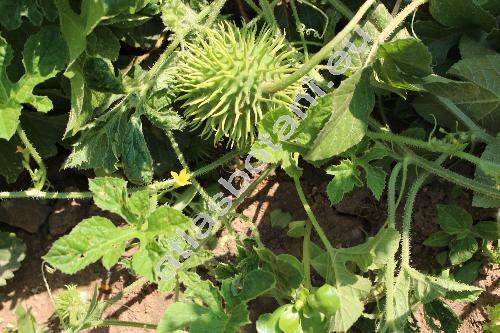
391, 27
268, 13
341, 8
306, 255
325, 52
391, 263
299, 28
182, 160
38, 182
391, 196
311, 216
407, 216
210, 11
113, 322
439, 147
156, 186
454, 177
476, 130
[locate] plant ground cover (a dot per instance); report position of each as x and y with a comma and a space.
241, 166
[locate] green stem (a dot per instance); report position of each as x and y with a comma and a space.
306, 255
391, 196
479, 132
252, 187
156, 186
311, 216
391, 263
299, 28
182, 160
112, 322
410, 202
403, 181
325, 52
439, 147
455, 178
268, 13
37, 194
391, 27
38, 182
211, 11
395, 10
252, 5
341, 8
201, 171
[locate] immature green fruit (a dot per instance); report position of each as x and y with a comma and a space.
220, 78
325, 300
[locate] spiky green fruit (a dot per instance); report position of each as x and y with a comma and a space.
220, 78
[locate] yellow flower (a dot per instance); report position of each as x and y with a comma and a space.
181, 178
21, 150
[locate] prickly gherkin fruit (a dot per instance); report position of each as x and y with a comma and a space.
220, 76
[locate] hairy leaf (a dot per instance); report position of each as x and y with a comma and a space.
92, 239
461, 13
12, 253
351, 104
44, 55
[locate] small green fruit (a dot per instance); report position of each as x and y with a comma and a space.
325, 300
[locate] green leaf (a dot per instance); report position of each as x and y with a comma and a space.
44, 55
137, 161
454, 220
410, 56
489, 230
280, 219
438, 239
76, 27
346, 178
479, 103
413, 287
179, 315
375, 179
350, 104
166, 119
441, 312
442, 257
92, 239
462, 250
99, 147
103, 43
200, 319
287, 270
438, 39
427, 288
492, 154
166, 220
44, 131
110, 194
480, 70
99, 75
461, 13
12, 253
469, 272
352, 289
255, 283
296, 229
12, 12
26, 322
469, 48
10, 161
